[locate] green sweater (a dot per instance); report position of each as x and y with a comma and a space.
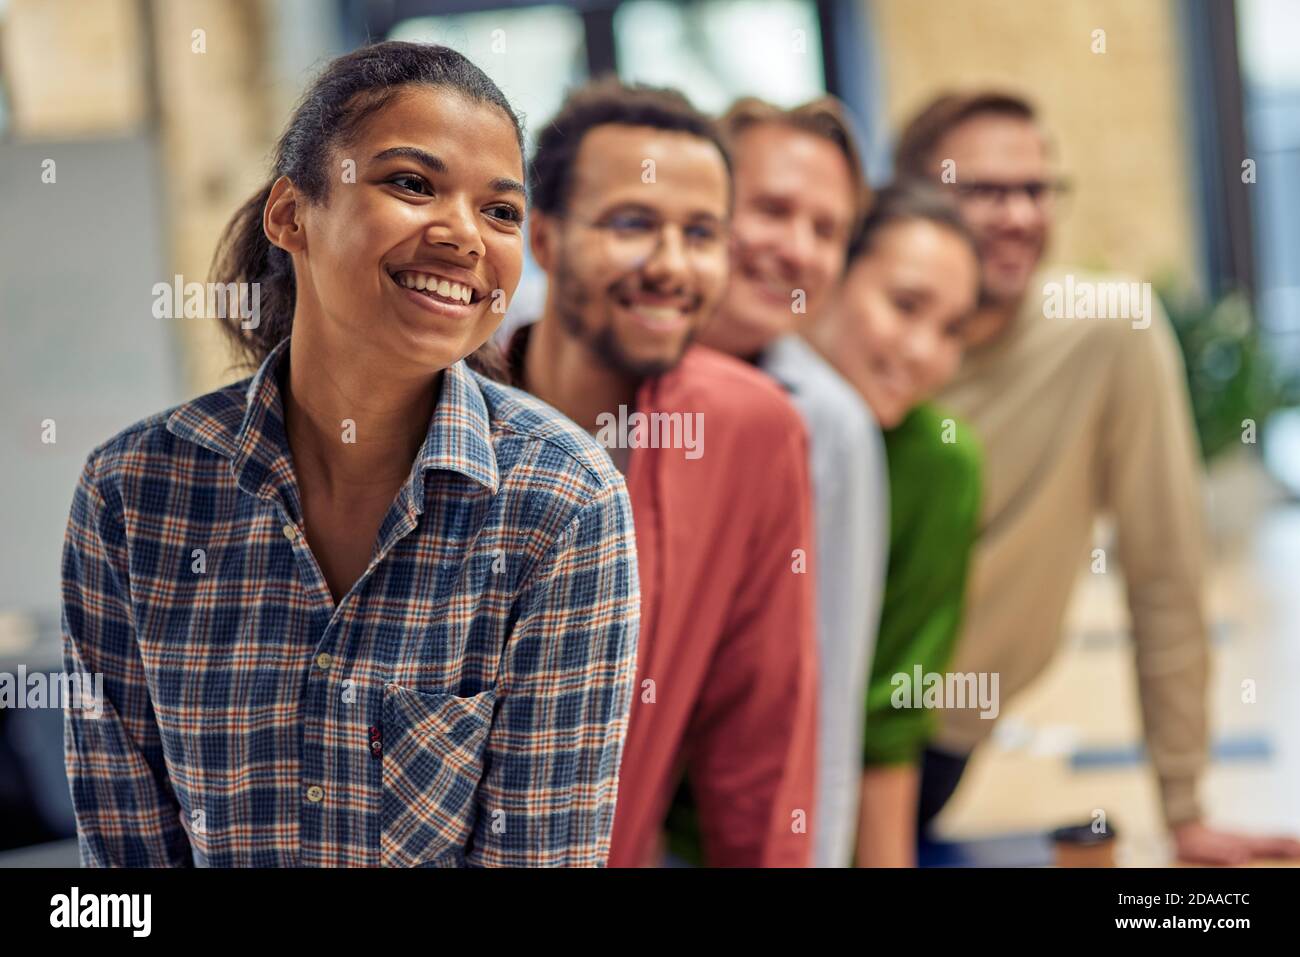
934, 491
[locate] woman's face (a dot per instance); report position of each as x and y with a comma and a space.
904, 304
412, 257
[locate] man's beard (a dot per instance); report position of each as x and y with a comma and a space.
996, 295
572, 301
991, 297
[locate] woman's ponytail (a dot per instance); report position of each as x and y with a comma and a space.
245, 255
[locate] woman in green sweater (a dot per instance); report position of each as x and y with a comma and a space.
895, 333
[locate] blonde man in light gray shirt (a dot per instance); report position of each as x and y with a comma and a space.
799, 194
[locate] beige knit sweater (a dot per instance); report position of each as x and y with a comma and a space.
1081, 415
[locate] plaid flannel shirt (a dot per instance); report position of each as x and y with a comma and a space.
464, 704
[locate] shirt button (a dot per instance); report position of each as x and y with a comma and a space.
323, 661
315, 794
290, 532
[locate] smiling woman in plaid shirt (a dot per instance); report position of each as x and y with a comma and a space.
368, 607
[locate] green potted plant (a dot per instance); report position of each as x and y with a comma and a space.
1235, 386
1232, 379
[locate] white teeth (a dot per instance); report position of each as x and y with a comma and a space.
444, 288
659, 312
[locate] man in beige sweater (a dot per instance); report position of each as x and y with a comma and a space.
1075, 385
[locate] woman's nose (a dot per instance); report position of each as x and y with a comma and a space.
454, 224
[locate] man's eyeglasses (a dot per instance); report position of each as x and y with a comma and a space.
637, 234
1041, 192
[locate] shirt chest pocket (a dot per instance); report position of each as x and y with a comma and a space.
433, 760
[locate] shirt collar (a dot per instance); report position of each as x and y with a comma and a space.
784, 359
460, 435
250, 433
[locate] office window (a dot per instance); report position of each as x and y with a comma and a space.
534, 54
1271, 87
1271, 82
717, 50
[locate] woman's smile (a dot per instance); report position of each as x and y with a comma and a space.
434, 290
435, 287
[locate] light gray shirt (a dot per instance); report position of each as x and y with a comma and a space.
850, 484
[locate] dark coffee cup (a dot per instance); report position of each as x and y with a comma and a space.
1078, 845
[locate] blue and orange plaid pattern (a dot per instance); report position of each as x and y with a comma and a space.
464, 704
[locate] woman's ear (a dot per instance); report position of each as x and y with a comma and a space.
280, 220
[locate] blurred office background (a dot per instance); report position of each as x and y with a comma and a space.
154, 120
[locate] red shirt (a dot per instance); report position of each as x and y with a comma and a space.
726, 668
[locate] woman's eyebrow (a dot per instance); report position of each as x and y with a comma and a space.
502, 184
423, 157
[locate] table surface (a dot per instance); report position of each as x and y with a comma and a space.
1068, 746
